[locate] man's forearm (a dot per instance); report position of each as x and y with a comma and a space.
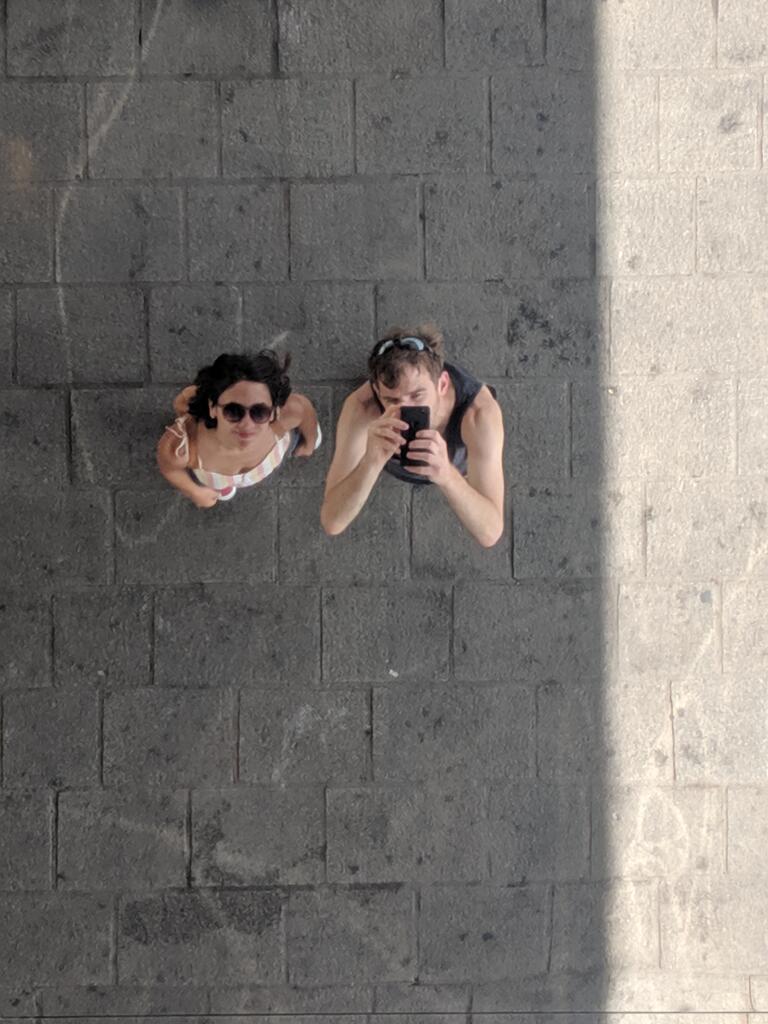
345, 500
476, 513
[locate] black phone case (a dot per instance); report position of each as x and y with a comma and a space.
417, 418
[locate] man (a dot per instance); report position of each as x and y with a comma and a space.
461, 450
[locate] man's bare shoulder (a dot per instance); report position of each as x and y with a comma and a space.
360, 405
483, 417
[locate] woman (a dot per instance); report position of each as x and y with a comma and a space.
235, 425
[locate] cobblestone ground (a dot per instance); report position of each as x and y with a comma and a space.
250, 769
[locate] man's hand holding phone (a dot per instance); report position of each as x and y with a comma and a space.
430, 454
385, 437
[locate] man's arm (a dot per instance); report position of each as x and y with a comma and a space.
478, 500
362, 449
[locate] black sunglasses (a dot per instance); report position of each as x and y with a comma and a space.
234, 412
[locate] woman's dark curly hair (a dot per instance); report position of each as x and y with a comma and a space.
266, 367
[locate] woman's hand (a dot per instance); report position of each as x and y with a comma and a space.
205, 497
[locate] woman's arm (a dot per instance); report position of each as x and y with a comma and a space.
299, 412
181, 401
174, 468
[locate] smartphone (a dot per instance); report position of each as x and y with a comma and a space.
417, 418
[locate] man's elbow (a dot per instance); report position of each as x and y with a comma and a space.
491, 537
331, 526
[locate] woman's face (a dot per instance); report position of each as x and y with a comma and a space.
245, 393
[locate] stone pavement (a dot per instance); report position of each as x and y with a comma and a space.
250, 769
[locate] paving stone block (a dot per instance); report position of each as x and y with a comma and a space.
298, 737
25, 235
169, 737
575, 532
645, 227
543, 120
647, 34
732, 222
699, 529
442, 549
503, 228
752, 431
531, 632
191, 938
103, 636
51, 738
42, 128
156, 130
327, 328
742, 33
656, 428
116, 233
482, 933
747, 830
80, 335
655, 832
378, 634
155, 535
745, 629
398, 834
189, 326
671, 630
493, 35
55, 939
707, 324
25, 840
27, 631
349, 935
538, 832
89, 37
33, 435
121, 840
182, 38
258, 836
708, 122
537, 416
597, 925
267, 635
412, 126
282, 999
237, 233
287, 129
115, 432
355, 231
7, 345
472, 318
450, 734
346, 37
626, 736
122, 1000
54, 536
718, 723
713, 924
374, 546
557, 328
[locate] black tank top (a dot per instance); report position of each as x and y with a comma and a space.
466, 387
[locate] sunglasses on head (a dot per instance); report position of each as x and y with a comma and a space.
416, 344
233, 412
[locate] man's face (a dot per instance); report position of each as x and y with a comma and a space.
414, 387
